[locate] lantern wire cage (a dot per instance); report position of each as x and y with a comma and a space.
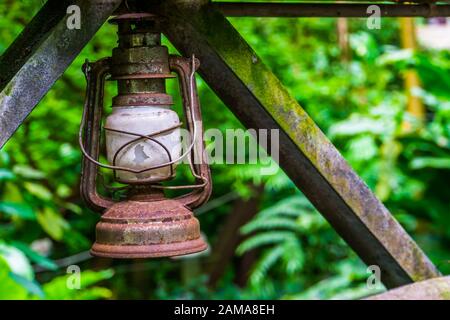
189, 150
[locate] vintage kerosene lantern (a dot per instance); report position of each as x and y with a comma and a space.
143, 146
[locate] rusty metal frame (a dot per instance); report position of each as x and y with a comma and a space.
305, 9
235, 72
41, 54
23, 65
258, 99
430, 289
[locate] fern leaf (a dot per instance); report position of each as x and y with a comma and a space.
265, 263
293, 256
264, 239
270, 223
292, 206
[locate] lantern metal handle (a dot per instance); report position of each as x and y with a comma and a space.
96, 73
198, 159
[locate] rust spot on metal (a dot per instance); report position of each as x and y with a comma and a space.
145, 229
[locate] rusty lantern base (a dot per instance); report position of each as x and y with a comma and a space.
147, 229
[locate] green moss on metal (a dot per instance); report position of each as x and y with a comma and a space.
445, 295
8, 89
245, 63
295, 122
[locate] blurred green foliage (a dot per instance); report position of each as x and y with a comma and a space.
359, 104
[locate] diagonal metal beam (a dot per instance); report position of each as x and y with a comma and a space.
237, 75
40, 55
432, 289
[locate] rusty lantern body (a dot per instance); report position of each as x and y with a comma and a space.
146, 223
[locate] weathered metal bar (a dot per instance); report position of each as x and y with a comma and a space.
258, 99
42, 52
26, 43
432, 289
295, 10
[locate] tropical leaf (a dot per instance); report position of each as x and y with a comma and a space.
357, 125
38, 190
10, 289
19, 210
6, 174
430, 162
293, 256
262, 239
323, 289
58, 287
270, 224
17, 261
94, 293
35, 257
269, 258
290, 206
31, 286
28, 172
52, 223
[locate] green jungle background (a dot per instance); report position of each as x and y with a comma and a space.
266, 240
